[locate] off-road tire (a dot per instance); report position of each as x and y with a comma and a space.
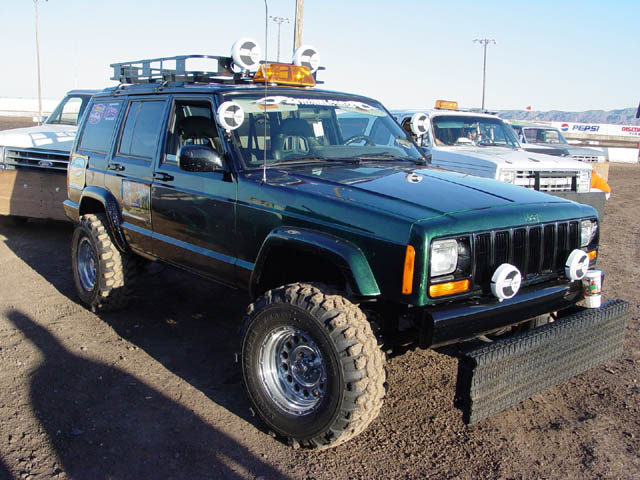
114, 270
355, 380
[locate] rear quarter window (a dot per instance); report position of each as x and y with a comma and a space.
100, 125
142, 129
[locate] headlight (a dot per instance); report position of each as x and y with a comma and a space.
444, 257
588, 229
584, 180
506, 175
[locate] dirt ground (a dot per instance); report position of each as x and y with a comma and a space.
154, 391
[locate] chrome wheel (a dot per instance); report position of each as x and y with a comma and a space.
292, 370
86, 264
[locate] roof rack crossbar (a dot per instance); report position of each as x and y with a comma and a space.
154, 69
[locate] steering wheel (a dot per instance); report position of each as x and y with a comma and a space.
357, 138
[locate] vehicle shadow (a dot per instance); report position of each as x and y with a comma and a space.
107, 424
5, 473
187, 324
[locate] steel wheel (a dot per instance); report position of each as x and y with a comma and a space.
292, 370
86, 264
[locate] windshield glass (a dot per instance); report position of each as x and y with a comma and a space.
299, 127
544, 135
482, 131
69, 111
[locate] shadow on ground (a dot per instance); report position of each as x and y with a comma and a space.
106, 424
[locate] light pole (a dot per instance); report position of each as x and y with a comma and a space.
35, 4
279, 21
484, 42
297, 35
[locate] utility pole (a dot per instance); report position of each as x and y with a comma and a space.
279, 21
297, 37
35, 4
484, 42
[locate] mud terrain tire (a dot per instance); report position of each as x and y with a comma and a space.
103, 275
338, 392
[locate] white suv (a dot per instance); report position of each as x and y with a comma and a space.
484, 145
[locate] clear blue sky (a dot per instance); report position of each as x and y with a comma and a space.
566, 55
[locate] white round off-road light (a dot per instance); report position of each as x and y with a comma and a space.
230, 115
307, 56
419, 124
246, 54
505, 281
577, 265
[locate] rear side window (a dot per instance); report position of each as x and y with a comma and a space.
99, 126
142, 129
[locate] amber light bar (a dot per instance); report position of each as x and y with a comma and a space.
446, 104
449, 288
285, 74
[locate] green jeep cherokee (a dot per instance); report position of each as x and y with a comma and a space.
343, 242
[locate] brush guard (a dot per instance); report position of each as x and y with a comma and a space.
494, 377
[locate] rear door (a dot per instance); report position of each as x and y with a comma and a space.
194, 212
131, 167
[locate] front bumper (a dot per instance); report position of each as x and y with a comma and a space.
453, 323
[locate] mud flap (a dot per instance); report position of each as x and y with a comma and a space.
496, 376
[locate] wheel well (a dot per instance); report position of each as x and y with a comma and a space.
91, 205
285, 265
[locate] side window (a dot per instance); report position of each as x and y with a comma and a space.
99, 126
192, 123
141, 129
530, 133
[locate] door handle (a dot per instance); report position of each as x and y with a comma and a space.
118, 167
164, 177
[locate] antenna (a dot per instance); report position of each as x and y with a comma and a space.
264, 110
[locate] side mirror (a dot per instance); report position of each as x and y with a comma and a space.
426, 151
199, 158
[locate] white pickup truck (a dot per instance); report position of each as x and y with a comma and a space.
33, 162
484, 145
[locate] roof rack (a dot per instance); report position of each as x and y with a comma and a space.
172, 69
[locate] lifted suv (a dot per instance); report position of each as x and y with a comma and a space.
342, 242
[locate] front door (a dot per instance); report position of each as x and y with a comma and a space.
193, 213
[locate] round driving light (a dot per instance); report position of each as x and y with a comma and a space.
307, 56
246, 54
230, 115
577, 265
505, 281
419, 124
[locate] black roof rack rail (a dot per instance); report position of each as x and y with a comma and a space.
154, 70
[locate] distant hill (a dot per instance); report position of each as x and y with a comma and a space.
625, 116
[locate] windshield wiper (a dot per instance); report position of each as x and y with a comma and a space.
386, 157
297, 160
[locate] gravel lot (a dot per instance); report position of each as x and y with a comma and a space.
154, 392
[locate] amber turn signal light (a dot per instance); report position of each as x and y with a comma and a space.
592, 255
449, 288
407, 275
285, 74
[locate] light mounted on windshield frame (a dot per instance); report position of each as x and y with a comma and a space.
285, 74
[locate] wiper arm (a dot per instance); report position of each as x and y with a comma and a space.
386, 157
297, 160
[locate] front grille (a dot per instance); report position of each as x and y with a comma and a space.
48, 159
547, 181
585, 158
536, 250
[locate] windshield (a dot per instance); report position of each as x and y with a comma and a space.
482, 131
304, 127
69, 111
544, 135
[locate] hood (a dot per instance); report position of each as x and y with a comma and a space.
507, 158
47, 136
410, 192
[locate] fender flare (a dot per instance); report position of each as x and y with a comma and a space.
111, 209
345, 255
